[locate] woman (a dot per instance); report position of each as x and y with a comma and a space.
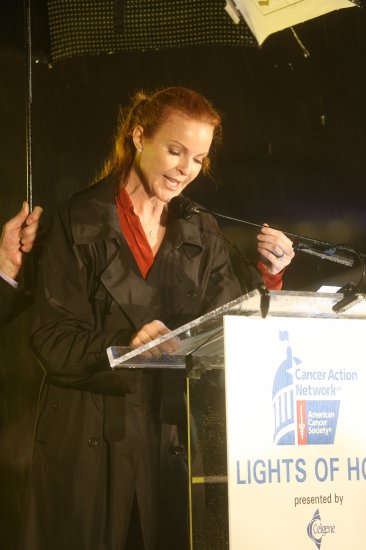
119, 269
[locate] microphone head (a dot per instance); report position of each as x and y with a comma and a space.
182, 207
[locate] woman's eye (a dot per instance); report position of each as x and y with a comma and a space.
174, 152
198, 161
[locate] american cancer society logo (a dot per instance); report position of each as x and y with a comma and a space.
304, 404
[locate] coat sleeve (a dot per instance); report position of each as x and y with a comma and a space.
68, 336
13, 302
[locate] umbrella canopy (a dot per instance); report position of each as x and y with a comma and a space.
67, 28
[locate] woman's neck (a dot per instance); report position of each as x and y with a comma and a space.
151, 211
144, 204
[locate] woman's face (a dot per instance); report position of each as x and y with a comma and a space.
173, 157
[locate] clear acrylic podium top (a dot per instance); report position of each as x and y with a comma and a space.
201, 341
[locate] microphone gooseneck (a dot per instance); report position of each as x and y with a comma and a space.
184, 207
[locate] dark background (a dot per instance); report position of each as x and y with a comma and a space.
293, 155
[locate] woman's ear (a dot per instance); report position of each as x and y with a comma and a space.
138, 137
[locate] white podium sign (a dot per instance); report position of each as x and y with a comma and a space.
296, 437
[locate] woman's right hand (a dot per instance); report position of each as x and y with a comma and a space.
150, 332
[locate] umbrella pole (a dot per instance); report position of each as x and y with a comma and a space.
28, 98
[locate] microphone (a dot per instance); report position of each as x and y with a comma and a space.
183, 207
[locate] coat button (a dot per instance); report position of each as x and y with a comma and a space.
177, 449
191, 294
56, 405
93, 442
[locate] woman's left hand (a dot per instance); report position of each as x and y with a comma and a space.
275, 249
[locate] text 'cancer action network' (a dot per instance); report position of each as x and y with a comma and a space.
306, 381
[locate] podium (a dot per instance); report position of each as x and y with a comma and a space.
275, 410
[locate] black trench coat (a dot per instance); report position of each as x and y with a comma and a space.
98, 432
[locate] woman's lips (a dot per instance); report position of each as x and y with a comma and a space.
172, 183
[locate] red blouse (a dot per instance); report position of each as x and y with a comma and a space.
272, 282
134, 233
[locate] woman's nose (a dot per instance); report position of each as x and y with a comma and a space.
183, 166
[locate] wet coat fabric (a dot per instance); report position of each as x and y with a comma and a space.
12, 302
98, 435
